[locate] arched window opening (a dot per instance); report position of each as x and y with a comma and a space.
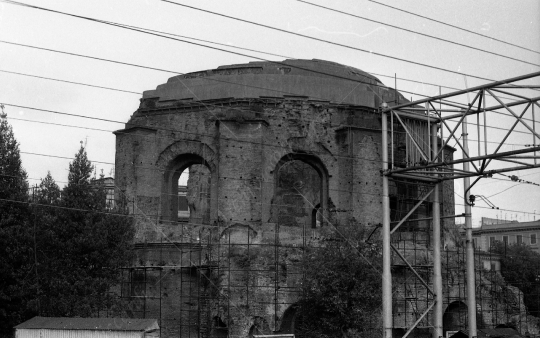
455, 317
301, 193
288, 320
186, 191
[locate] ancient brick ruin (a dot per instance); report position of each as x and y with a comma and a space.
276, 152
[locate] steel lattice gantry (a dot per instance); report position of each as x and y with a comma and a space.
511, 106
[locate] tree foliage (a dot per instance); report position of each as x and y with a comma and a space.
61, 249
82, 245
342, 287
14, 237
519, 267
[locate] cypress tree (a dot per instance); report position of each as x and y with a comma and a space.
14, 234
87, 247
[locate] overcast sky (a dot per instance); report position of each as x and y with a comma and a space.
517, 22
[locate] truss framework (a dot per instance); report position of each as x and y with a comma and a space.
441, 117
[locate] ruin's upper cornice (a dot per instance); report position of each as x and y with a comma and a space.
314, 79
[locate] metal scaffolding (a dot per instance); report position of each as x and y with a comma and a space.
429, 123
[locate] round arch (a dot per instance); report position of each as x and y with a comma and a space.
455, 317
288, 320
317, 164
173, 161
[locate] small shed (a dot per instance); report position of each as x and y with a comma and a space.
489, 333
62, 327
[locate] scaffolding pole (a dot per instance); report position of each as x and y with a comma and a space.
387, 275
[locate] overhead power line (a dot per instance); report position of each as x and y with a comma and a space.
70, 82
454, 26
155, 32
418, 33
202, 45
213, 79
210, 104
142, 30
135, 215
285, 146
61, 157
326, 41
172, 129
91, 57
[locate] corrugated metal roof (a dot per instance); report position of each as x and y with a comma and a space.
108, 324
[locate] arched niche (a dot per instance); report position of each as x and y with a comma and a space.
455, 317
289, 320
300, 190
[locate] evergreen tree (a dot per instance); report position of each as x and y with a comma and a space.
85, 246
14, 235
48, 192
46, 199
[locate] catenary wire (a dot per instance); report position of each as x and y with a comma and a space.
419, 33
223, 177
333, 75
147, 31
110, 163
70, 82
131, 92
124, 123
90, 210
146, 168
12, 2
129, 215
135, 215
217, 80
326, 41
454, 26
169, 129
168, 137
247, 21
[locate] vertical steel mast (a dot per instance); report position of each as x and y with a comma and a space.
386, 275
437, 274
428, 164
471, 280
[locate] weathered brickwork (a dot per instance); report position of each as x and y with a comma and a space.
275, 153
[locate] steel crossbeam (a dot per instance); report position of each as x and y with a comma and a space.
514, 100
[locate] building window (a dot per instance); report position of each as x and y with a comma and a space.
505, 240
533, 239
519, 239
474, 243
493, 267
491, 241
